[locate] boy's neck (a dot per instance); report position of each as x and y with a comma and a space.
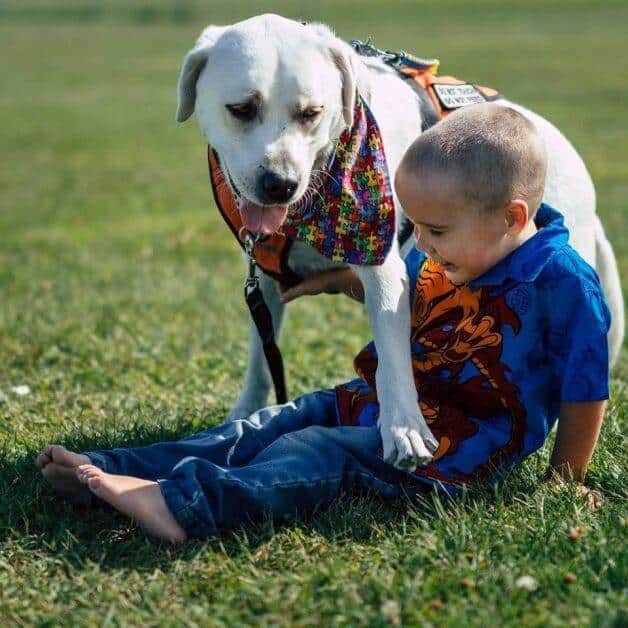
523, 236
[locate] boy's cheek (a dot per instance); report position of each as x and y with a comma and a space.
419, 245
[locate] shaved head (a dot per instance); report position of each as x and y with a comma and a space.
489, 153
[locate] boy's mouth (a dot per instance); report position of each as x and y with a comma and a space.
445, 265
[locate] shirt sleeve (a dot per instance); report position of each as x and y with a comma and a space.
578, 339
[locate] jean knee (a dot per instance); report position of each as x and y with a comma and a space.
300, 442
312, 435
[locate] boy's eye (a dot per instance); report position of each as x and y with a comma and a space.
436, 233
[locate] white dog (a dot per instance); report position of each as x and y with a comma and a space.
271, 97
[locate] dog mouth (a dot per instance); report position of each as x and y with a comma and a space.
262, 219
256, 218
268, 219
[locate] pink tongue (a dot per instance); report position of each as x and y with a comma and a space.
262, 219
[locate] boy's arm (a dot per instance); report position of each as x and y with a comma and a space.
578, 428
330, 281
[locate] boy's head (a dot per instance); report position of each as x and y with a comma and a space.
472, 184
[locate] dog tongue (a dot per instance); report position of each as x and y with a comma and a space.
262, 219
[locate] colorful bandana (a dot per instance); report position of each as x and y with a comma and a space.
352, 218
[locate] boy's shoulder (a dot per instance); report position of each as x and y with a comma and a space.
571, 288
559, 263
567, 266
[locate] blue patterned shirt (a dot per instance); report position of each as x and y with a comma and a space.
493, 359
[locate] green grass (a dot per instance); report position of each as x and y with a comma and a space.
120, 307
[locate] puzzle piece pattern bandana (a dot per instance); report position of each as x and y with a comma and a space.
352, 220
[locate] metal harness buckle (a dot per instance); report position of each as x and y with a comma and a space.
401, 58
367, 49
249, 240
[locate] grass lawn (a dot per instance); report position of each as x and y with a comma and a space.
121, 309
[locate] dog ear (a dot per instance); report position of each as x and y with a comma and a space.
194, 62
344, 57
344, 61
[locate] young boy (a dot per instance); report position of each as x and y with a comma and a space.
508, 333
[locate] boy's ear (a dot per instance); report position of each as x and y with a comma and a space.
517, 215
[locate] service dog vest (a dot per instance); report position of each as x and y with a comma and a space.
353, 220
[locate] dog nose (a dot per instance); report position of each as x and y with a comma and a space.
278, 189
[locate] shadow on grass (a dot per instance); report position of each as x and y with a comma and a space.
34, 519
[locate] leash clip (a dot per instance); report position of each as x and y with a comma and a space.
249, 240
367, 49
251, 283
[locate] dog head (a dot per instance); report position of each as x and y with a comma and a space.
271, 96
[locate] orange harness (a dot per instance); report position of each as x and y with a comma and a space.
446, 93
270, 253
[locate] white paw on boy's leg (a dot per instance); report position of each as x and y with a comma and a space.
407, 443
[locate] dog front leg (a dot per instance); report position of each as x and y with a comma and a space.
257, 380
406, 438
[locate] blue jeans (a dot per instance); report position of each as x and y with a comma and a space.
282, 460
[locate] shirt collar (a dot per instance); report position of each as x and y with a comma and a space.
527, 261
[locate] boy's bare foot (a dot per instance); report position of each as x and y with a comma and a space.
140, 499
58, 466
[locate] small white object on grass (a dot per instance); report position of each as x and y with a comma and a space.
21, 390
527, 582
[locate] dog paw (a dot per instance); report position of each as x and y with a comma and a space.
407, 443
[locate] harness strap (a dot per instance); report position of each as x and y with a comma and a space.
439, 95
270, 253
429, 113
405, 232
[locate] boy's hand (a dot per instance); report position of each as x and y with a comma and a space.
578, 428
592, 495
328, 281
557, 483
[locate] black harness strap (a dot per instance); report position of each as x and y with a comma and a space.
429, 117
405, 232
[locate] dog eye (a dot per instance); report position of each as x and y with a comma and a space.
309, 114
244, 112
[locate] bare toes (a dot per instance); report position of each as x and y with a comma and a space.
94, 482
86, 472
45, 456
41, 461
64, 481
